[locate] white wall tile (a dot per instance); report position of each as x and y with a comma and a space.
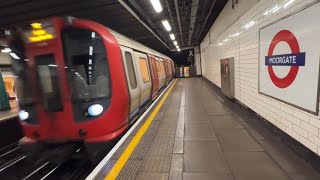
299, 124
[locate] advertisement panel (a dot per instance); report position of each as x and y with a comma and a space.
289, 59
186, 71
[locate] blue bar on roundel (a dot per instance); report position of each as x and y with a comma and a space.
296, 59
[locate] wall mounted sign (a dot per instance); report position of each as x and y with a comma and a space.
289, 59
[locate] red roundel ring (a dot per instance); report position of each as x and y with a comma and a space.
292, 41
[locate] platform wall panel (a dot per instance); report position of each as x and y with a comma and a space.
299, 124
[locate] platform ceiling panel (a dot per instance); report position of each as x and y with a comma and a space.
114, 15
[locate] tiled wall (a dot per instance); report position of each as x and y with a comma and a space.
241, 40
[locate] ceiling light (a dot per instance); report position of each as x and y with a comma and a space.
178, 49
172, 36
14, 56
166, 24
156, 5
6, 50
175, 42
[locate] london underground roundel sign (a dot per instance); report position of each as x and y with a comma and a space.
289, 59
295, 59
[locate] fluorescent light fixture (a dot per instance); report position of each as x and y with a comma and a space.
266, 13
14, 56
220, 44
172, 36
156, 5
178, 49
166, 24
288, 3
90, 50
6, 50
175, 43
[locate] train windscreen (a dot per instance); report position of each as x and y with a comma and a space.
86, 64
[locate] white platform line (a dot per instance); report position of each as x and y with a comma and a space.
96, 170
178, 141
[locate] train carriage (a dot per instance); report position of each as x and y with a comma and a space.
79, 82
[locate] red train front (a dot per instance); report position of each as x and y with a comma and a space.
71, 84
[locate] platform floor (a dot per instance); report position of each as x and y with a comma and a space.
197, 135
13, 112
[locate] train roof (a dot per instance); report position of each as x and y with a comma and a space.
127, 42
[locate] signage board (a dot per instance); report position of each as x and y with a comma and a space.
289, 54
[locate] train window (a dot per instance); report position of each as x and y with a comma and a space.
169, 68
86, 64
144, 69
49, 83
162, 68
20, 69
158, 68
131, 72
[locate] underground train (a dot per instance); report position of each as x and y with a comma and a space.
79, 82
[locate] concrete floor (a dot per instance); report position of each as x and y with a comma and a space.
196, 135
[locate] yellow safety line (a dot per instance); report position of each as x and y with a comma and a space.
116, 169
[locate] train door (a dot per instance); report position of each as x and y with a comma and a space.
163, 71
144, 79
169, 70
173, 69
160, 73
155, 78
133, 85
166, 70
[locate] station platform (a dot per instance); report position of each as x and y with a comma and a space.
9, 114
194, 132
10, 129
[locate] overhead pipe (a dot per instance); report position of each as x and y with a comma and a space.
214, 2
193, 14
141, 21
170, 14
178, 17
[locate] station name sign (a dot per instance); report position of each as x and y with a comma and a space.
289, 60
297, 59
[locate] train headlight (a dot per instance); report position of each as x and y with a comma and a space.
95, 109
23, 115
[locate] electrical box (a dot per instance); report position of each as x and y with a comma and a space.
227, 77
